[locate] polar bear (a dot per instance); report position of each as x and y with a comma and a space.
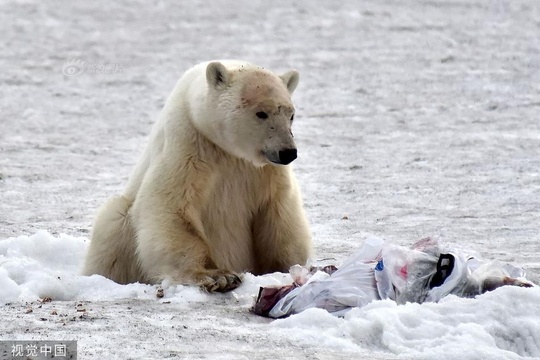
213, 195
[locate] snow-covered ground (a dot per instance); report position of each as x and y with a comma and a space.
414, 118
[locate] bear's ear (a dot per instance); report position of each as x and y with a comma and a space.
290, 79
217, 75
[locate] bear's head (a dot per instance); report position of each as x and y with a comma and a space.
251, 112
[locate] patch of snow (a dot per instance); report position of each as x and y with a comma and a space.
503, 324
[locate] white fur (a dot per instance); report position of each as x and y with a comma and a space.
206, 200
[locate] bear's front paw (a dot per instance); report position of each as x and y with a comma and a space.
219, 280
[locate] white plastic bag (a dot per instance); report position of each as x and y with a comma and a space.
353, 285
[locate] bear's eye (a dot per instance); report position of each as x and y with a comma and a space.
262, 115
292, 117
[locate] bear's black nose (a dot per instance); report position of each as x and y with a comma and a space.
287, 156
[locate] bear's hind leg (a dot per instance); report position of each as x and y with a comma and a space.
111, 252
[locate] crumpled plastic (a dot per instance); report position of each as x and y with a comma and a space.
427, 271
